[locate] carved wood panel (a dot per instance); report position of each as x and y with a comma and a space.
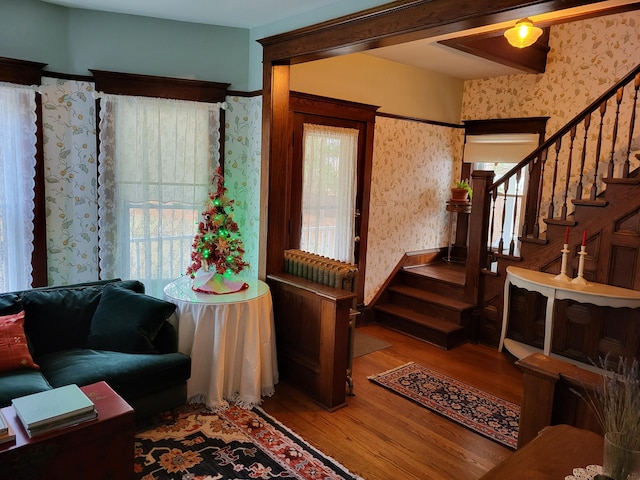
527, 315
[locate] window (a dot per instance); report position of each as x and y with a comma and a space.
157, 158
17, 172
329, 191
500, 153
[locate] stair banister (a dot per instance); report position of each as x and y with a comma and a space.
556, 139
478, 234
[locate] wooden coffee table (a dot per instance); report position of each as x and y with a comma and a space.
98, 449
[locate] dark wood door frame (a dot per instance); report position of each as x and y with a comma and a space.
390, 24
330, 111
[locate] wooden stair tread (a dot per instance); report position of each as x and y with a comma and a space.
443, 273
437, 299
434, 323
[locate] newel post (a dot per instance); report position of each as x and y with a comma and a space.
478, 234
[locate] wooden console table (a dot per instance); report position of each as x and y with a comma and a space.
551, 455
544, 283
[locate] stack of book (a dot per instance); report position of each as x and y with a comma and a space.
54, 409
6, 432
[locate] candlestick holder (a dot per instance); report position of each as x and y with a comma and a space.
579, 280
562, 276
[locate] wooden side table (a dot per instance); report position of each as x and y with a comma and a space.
100, 449
551, 455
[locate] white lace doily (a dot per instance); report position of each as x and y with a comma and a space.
587, 473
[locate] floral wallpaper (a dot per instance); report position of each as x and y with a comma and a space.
243, 135
585, 59
413, 168
70, 180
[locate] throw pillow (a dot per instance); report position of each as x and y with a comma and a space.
126, 321
14, 350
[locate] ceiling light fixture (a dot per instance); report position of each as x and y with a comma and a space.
524, 34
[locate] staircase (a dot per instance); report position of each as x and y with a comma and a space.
426, 302
586, 181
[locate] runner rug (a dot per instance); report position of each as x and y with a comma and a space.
194, 443
479, 411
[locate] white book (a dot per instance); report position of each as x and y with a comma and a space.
7, 434
51, 406
4, 427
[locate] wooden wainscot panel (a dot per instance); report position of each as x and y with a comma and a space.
549, 398
312, 334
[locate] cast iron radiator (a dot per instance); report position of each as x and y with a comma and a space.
332, 273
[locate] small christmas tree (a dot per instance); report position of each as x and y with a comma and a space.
217, 247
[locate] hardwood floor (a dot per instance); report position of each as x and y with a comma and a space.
381, 435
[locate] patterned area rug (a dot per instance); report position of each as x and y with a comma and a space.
194, 443
479, 411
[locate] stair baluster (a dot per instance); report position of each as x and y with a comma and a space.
563, 212
494, 200
615, 132
594, 186
587, 123
536, 225
504, 214
515, 214
632, 123
555, 178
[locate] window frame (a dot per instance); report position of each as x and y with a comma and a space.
307, 108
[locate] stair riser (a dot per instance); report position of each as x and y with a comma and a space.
420, 331
432, 285
426, 308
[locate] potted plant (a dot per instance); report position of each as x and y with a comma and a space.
461, 191
616, 404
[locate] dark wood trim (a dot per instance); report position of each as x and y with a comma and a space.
419, 120
276, 144
506, 125
389, 24
68, 76
332, 107
306, 108
399, 22
159, 87
30, 73
21, 72
39, 259
237, 93
496, 48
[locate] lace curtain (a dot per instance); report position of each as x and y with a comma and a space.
329, 191
17, 185
157, 158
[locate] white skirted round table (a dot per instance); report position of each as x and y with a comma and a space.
231, 341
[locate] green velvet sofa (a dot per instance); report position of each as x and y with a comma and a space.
85, 333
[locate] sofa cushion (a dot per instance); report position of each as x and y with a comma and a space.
10, 303
131, 375
127, 321
59, 317
14, 350
19, 383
